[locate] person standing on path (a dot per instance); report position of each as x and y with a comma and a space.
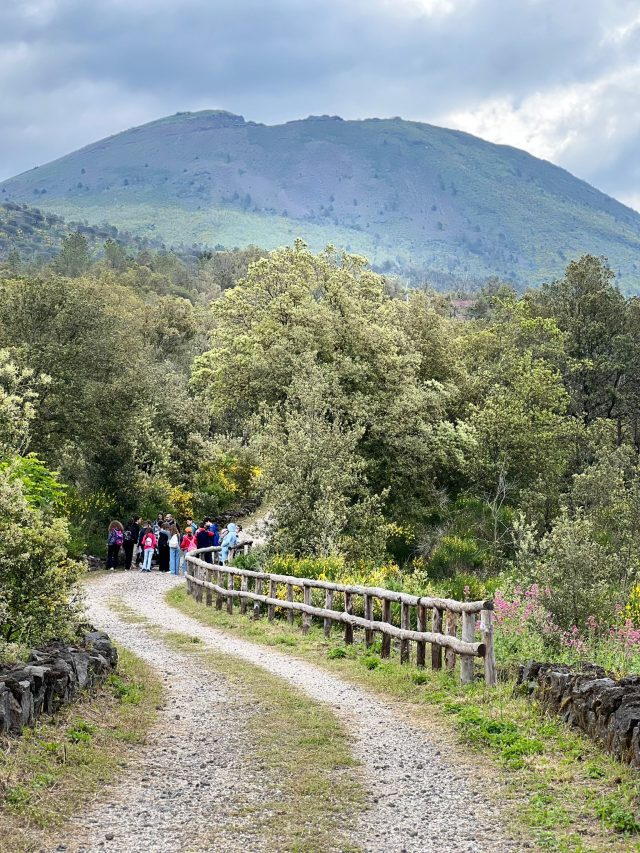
131, 533
143, 529
163, 549
188, 544
174, 550
229, 542
115, 538
204, 539
149, 542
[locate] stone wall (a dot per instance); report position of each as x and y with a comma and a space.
605, 709
52, 677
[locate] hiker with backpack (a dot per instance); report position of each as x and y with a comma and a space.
115, 538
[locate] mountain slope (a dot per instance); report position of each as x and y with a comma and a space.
403, 193
38, 236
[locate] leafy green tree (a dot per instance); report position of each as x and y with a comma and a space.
314, 477
87, 340
589, 308
521, 429
115, 255
74, 257
577, 573
293, 306
18, 396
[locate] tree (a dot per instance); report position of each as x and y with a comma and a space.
74, 257
313, 475
293, 306
18, 396
592, 313
86, 338
115, 255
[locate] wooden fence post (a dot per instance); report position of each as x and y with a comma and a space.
468, 635
198, 587
436, 651
208, 597
306, 617
256, 605
273, 591
230, 586
405, 622
328, 604
486, 626
385, 650
421, 646
218, 574
368, 614
244, 587
290, 613
348, 608
451, 629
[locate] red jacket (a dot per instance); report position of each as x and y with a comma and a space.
148, 541
188, 543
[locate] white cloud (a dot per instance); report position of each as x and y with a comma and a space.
583, 126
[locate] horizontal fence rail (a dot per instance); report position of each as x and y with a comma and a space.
204, 577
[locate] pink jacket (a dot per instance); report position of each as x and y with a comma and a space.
148, 541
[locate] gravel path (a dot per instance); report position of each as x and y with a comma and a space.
419, 801
166, 802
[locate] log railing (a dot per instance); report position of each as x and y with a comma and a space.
230, 583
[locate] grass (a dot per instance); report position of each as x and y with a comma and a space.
312, 790
556, 787
56, 767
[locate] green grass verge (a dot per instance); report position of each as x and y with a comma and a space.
55, 768
558, 789
312, 790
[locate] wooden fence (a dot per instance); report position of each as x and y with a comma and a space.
262, 589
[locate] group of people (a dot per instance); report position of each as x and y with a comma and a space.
162, 542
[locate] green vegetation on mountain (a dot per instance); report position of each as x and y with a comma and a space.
427, 202
29, 234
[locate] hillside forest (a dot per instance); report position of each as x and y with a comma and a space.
392, 443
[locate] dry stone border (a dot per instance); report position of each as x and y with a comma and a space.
421, 799
52, 677
588, 699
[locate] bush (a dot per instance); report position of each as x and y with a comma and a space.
579, 574
454, 554
39, 595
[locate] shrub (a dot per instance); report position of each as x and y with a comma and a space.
577, 573
38, 582
454, 554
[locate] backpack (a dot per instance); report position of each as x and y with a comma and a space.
115, 537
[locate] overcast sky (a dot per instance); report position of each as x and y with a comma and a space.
559, 78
